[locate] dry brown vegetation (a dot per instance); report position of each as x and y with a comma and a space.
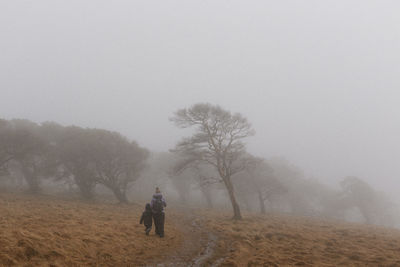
43, 231
278, 240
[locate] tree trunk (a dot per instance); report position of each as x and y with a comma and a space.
121, 196
246, 203
207, 196
33, 184
236, 209
262, 204
85, 186
31, 179
366, 215
86, 192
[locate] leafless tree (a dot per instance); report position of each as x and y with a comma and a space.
262, 182
5, 153
206, 179
16, 140
371, 204
31, 152
217, 141
117, 162
75, 152
196, 173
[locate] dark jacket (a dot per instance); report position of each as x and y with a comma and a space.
158, 196
147, 216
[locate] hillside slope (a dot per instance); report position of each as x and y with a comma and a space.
46, 231
279, 240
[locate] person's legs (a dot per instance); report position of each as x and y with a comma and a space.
156, 224
148, 229
161, 224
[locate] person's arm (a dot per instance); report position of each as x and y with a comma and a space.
164, 202
142, 218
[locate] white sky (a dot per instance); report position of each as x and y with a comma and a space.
319, 80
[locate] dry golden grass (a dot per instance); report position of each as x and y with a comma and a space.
44, 231
278, 240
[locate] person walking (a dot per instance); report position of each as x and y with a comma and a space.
158, 205
147, 218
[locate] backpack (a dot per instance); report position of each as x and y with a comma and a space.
158, 205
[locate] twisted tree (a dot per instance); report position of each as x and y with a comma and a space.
75, 152
217, 141
117, 161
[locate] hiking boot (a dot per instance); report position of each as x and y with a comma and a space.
148, 231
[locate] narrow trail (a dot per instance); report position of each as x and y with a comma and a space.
198, 248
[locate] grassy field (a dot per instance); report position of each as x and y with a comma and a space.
44, 231
48, 231
279, 240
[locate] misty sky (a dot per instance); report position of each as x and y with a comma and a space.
319, 80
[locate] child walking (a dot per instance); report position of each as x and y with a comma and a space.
147, 218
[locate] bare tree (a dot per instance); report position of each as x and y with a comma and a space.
5, 153
205, 180
217, 141
182, 182
371, 204
31, 152
16, 140
262, 182
194, 173
117, 161
76, 148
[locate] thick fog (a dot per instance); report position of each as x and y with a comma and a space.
319, 80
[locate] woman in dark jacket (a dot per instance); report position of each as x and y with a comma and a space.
158, 205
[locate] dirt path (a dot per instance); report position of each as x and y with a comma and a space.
198, 248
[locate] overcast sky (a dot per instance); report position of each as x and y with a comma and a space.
319, 80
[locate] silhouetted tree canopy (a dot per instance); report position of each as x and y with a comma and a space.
217, 141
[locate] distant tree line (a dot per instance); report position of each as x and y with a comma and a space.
212, 163
216, 153
82, 157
